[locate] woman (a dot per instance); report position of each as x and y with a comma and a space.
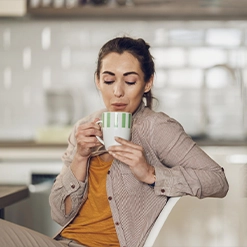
113, 198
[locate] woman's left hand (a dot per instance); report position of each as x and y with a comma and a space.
133, 156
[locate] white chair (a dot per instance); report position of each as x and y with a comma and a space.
160, 221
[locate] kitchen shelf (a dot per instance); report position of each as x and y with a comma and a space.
161, 11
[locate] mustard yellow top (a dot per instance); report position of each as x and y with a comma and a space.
94, 226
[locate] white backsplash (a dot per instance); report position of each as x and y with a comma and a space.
38, 55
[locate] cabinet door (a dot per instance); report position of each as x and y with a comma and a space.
13, 7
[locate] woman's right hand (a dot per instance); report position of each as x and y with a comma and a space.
86, 138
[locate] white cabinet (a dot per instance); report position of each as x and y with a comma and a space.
13, 7
37, 168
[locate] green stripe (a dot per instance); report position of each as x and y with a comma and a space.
108, 119
123, 120
129, 120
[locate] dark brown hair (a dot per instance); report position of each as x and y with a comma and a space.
136, 47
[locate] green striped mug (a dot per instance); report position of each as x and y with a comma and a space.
115, 124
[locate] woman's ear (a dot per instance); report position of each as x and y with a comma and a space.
149, 84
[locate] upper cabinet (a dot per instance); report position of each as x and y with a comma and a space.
161, 9
13, 8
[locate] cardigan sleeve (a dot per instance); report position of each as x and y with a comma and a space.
184, 168
66, 185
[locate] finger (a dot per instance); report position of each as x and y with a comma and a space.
93, 132
96, 120
120, 149
86, 126
89, 125
133, 156
88, 142
125, 151
127, 143
126, 146
96, 125
89, 132
91, 139
122, 141
123, 158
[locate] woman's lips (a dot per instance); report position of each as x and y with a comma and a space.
119, 106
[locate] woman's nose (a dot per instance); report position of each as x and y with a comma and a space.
118, 90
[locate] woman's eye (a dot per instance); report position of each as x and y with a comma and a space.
131, 82
108, 82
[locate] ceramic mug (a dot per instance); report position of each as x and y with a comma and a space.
115, 124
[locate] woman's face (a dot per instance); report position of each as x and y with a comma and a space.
121, 82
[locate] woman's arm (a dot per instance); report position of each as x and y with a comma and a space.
66, 197
183, 168
68, 192
79, 169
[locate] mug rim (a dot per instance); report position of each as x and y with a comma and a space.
116, 112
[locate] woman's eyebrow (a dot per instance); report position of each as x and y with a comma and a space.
131, 72
108, 72
125, 74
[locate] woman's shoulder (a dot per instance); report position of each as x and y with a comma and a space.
152, 118
151, 115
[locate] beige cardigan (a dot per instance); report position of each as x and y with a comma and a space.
181, 168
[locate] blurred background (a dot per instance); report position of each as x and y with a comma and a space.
48, 54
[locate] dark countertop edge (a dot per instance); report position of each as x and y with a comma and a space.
224, 143
32, 144
12, 194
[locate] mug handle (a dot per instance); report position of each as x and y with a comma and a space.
99, 139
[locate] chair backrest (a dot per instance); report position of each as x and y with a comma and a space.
160, 221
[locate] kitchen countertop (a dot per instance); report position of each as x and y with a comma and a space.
211, 142
32, 144
10, 194
49, 156
30, 150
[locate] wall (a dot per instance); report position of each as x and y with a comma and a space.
38, 56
